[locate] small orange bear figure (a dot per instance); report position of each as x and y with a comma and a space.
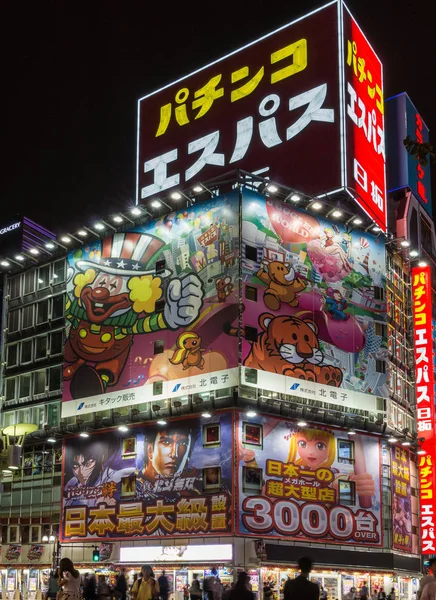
188, 352
224, 287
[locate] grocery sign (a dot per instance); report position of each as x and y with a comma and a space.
310, 93
425, 413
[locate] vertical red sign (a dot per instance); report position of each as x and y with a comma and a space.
364, 119
423, 346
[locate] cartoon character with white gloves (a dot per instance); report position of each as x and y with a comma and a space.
115, 299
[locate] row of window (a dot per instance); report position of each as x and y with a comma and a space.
37, 279
28, 385
40, 414
28, 534
37, 313
36, 348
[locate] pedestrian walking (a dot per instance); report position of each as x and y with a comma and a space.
429, 578
301, 587
164, 586
53, 586
69, 581
241, 591
120, 591
195, 589
145, 587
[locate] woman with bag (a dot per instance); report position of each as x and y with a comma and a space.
69, 581
195, 592
145, 587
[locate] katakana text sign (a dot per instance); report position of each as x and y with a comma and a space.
310, 483
425, 413
154, 481
270, 107
365, 138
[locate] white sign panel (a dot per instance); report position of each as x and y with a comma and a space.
172, 554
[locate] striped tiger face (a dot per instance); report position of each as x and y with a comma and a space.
295, 339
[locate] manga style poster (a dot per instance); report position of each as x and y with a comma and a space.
401, 499
308, 483
155, 481
314, 291
149, 305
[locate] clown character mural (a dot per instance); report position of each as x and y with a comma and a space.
316, 483
115, 296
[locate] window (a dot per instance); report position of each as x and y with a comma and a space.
13, 320
159, 306
157, 388
346, 452
15, 287
380, 329
251, 376
38, 416
379, 293
35, 533
160, 266
10, 387
53, 414
25, 386
27, 316
58, 272
128, 486
251, 293
8, 418
252, 435
212, 478
211, 435
251, 252
29, 282
250, 333
347, 492
12, 355
42, 312
39, 381
251, 479
43, 277
54, 383
40, 347
380, 366
26, 352
159, 346
56, 342
13, 534
57, 309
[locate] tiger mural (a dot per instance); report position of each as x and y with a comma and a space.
289, 346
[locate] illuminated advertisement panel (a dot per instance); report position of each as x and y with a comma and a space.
271, 107
146, 310
314, 313
425, 413
154, 481
401, 499
404, 170
365, 138
312, 483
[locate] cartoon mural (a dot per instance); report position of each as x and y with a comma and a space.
323, 314
172, 281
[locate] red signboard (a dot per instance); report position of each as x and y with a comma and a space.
425, 413
365, 139
271, 107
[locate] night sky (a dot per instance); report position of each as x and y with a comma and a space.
72, 73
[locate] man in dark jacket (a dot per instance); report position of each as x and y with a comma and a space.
301, 588
121, 586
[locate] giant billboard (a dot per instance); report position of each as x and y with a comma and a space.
425, 403
146, 310
154, 481
309, 93
308, 483
314, 318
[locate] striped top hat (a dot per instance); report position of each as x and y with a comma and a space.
126, 254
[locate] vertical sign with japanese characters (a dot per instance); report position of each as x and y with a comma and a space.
364, 118
425, 413
401, 501
270, 107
